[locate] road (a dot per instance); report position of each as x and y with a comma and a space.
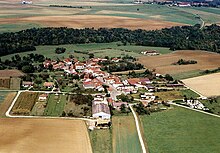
193, 109
138, 130
43, 117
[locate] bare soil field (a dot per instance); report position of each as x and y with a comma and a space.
43, 135
88, 21
163, 63
207, 85
6, 103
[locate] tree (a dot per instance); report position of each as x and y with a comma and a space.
91, 55
28, 69
60, 50
168, 77
123, 108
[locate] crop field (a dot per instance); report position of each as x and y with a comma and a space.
99, 49
6, 99
24, 103
181, 130
163, 63
14, 16
124, 135
101, 141
43, 135
207, 85
55, 105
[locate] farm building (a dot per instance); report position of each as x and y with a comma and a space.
10, 79
150, 52
43, 97
101, 110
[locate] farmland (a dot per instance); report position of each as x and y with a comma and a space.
6, 99
124, 135
99, 49
24, 103
207, 85
181, 130
55, 105
115, 13
206, 60
101, 140
44, 135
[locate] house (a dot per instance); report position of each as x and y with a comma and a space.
101, 110
48, 84
183, 4
150, 52
79, 66
27, 84
43, 97
116, 60
88, 85
117, 105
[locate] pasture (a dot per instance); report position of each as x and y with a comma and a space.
25, 103
98, 49
163, 63
44, 135
181, 130
124, 135
207, 85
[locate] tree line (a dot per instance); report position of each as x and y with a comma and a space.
185, 37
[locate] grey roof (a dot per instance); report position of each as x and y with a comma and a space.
100, 107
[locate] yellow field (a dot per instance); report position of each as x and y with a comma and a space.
43, 135
207, 85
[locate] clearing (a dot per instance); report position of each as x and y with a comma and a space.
181, 130
124, 135
207, 85
163, 63
43, 135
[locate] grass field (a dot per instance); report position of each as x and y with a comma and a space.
189, 93
55, 105
181, 130
186, 75
213, 106
124, 135
99, 49
101, 141
43, 135
25, 103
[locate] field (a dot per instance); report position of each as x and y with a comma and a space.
213, 105
207, 85
25, 103
163, 63
99, 49
55, 105
14, 16
44, 135
181, 130
101, 141
124, 135
6, 99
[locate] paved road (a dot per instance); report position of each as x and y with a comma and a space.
138, 130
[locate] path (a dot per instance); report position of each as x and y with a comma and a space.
194, 109
42, 117
138, 130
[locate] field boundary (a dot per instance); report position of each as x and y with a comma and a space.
194, 109
139, 131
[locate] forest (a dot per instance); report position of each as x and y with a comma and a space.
184, 37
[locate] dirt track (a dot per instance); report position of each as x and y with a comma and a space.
96, 21
207, 85
163, 63
43, 135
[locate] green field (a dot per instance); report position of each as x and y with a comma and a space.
186, 75
55, 105
181, 131
101, 141
213, 105
124, 135
189, 93
99, 49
